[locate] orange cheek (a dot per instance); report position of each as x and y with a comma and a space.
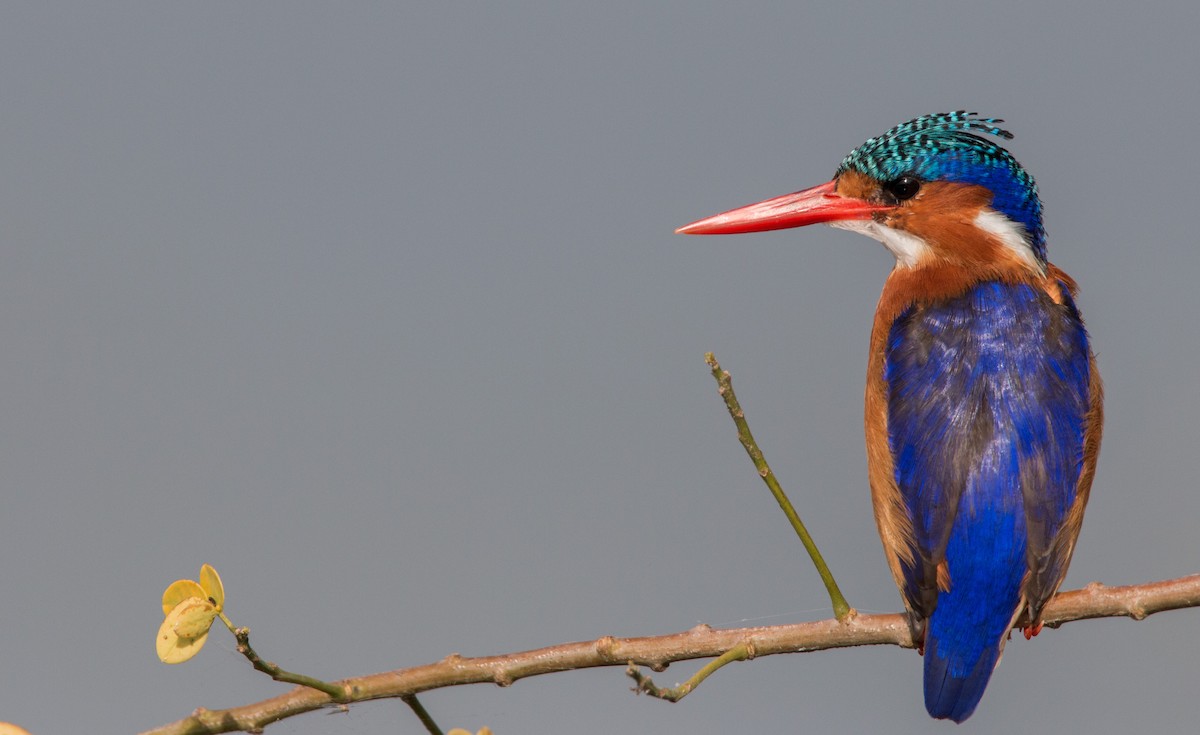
943, 206
943, 216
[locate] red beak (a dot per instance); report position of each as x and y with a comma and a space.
809, 207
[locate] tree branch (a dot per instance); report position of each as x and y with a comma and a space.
1093, 601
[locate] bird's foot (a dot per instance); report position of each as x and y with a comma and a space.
1032, 630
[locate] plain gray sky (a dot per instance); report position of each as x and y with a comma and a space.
377, 308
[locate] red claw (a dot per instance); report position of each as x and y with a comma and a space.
1032, 630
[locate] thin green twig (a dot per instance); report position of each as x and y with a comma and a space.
841, 608
740, 652
421, 713
338, 694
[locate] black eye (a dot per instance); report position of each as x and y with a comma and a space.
905, 187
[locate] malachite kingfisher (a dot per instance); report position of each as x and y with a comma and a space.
983, 402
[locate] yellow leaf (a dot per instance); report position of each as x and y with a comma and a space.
193, 617
211, 582
183, 632
175, 650
179, 591
10, 729
458, 731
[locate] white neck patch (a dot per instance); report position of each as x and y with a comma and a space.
1010, 234
908, 248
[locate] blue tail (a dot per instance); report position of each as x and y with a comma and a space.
955, 680
968, 628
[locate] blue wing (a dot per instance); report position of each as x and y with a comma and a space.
988, 395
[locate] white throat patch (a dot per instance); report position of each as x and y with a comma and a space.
908, 249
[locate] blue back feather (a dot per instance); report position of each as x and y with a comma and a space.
949, 146
988, 398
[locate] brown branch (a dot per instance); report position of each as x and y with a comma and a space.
1093, 601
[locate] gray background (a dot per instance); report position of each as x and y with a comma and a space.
378, 310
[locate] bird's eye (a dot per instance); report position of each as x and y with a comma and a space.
903, 188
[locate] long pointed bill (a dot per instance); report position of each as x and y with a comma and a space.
809, 207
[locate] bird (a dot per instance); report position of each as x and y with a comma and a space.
983, 403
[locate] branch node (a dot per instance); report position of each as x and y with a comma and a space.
605, 646
502, 678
